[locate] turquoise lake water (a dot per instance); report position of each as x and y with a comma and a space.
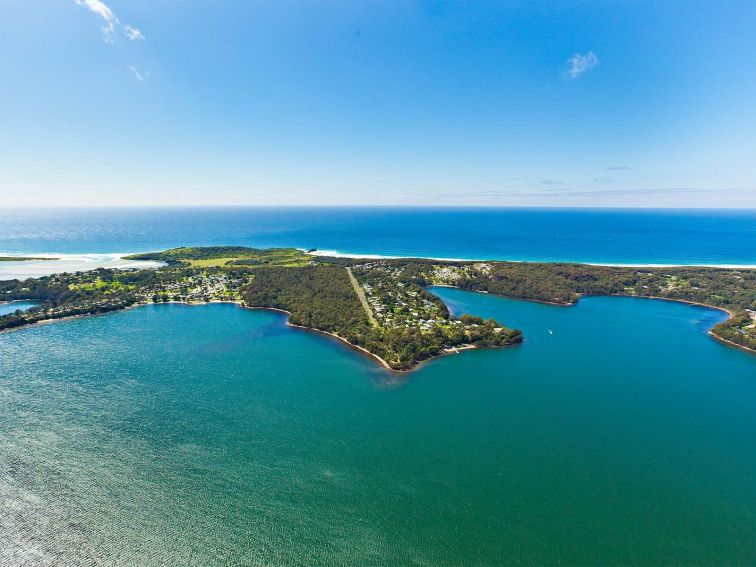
13, 306
576, 235
619, 433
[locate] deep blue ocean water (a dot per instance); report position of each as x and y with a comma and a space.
585, 235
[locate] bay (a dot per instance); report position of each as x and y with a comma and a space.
619, 433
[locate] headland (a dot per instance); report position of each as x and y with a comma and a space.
382, 307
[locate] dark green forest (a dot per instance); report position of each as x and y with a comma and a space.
414, 324
731, 289
321, 297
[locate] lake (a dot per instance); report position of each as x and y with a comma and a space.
619, 433
13, 306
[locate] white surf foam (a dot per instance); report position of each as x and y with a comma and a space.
60, 263
337, 254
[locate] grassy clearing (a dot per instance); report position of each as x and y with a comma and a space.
89, 286
212, 262
100, 285
230, 257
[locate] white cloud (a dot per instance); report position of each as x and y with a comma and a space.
138, 75
111, 21
132, 33
581, 64
99, 8
105, 13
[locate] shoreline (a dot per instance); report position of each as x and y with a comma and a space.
385, 365
86, 259
4, 302
542, 301
46, 264
337, 254
240, 304
710, 332
381, 361
730, 343
328, 333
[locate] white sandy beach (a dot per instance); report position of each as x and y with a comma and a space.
60, 263
337, 254
66, 263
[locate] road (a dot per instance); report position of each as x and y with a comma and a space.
361, 295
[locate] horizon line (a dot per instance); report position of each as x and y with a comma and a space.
378, 206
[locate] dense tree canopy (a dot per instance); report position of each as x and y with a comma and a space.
410, 323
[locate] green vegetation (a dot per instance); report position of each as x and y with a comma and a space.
400, 321
322, 297
96, 284
731, 289
740, 329
101, 290
565, 283
228, 256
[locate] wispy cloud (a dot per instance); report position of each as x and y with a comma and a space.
112, 23
618, 168
633, 192
516, 194
132, 33
138, 75
101, 9
579, 64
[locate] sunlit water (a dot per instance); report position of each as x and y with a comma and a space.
619, 433
578, 235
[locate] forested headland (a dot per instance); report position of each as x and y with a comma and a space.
397, 319
321, 297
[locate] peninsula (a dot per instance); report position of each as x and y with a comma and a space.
381, 306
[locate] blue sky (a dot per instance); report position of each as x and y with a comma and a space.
116, 102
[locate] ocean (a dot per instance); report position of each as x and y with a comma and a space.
715, 237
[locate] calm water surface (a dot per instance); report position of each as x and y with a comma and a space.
619, 433
13, 306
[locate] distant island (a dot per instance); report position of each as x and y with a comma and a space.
381, 306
